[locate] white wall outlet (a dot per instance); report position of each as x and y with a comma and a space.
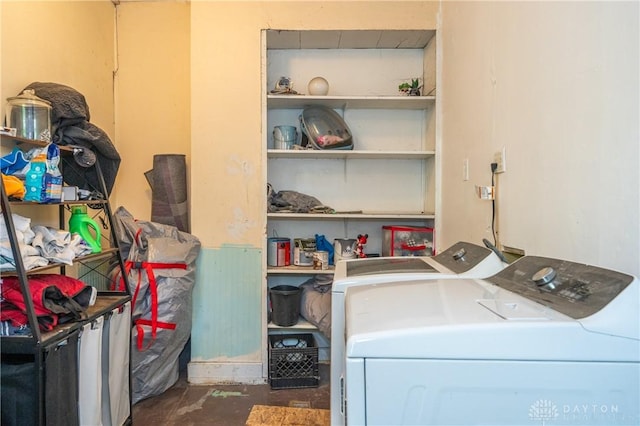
500, 158
465, 169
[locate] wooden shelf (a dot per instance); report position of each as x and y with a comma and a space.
347, 102
304, 154
298, 270
354, 216
302, 324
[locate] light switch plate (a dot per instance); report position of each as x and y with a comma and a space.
500, 158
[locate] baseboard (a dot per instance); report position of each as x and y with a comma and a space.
209, 372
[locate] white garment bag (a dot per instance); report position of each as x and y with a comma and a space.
90, 373
116, 405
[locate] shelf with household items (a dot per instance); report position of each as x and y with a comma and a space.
106, 253
105, 303
346, 155
29, 143
302, 324
349, 102
57, 210
52, 352
298, 270
354, 216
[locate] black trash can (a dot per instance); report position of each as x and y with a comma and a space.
285, 305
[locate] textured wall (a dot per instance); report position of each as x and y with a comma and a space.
556, 83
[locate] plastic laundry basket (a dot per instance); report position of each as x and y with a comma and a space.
285, 305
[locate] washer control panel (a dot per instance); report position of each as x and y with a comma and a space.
462, 256
574, 289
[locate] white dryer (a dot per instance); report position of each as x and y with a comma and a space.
544, 341
462, 259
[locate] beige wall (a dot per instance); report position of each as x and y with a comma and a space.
136, 74
228, 195
69, 43
64, 42
152, 93
556, 83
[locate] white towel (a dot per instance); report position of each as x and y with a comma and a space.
30, 256
53, 244
39, 245
21, 224
79, 246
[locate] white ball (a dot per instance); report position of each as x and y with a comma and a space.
318, 86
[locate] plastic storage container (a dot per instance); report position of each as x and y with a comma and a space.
407, 241
325, 129
293, 361
285, 305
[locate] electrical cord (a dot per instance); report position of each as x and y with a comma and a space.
493, 248
494, 166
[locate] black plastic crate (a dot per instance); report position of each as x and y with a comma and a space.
293, 361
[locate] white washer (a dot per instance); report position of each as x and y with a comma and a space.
463, 259
544, 341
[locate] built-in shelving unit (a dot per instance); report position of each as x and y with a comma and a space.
390, 176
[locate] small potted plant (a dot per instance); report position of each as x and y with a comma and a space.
411, 89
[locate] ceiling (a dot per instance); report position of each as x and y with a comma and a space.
348, 39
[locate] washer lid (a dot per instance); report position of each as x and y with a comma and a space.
475, 319
422, 306
575, 289
384, 265
604, 301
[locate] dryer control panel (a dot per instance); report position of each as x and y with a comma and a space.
574, 289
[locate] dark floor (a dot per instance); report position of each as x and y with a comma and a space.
227, 405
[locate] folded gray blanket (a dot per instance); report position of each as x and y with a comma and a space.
70, 126
294, 202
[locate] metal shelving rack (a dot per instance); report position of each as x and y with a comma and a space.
36, 346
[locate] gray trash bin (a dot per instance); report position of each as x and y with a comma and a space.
285, 305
